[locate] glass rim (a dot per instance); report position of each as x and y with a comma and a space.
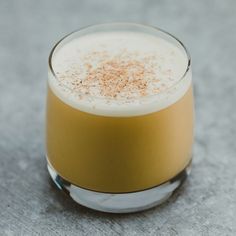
157, 29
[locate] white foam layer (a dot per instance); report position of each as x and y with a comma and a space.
168, 65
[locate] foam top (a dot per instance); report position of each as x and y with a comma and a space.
119, 73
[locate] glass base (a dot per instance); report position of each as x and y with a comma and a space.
120, 202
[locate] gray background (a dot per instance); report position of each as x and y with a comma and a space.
29, 202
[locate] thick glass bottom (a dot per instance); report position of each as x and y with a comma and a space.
120, 202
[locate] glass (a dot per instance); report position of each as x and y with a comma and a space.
120, 163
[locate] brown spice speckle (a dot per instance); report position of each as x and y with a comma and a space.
125, 75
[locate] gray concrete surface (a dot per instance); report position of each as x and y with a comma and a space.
29, 202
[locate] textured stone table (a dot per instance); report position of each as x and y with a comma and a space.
29, 202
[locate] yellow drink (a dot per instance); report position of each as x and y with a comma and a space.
119, 154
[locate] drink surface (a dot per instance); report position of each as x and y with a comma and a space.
119, 73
